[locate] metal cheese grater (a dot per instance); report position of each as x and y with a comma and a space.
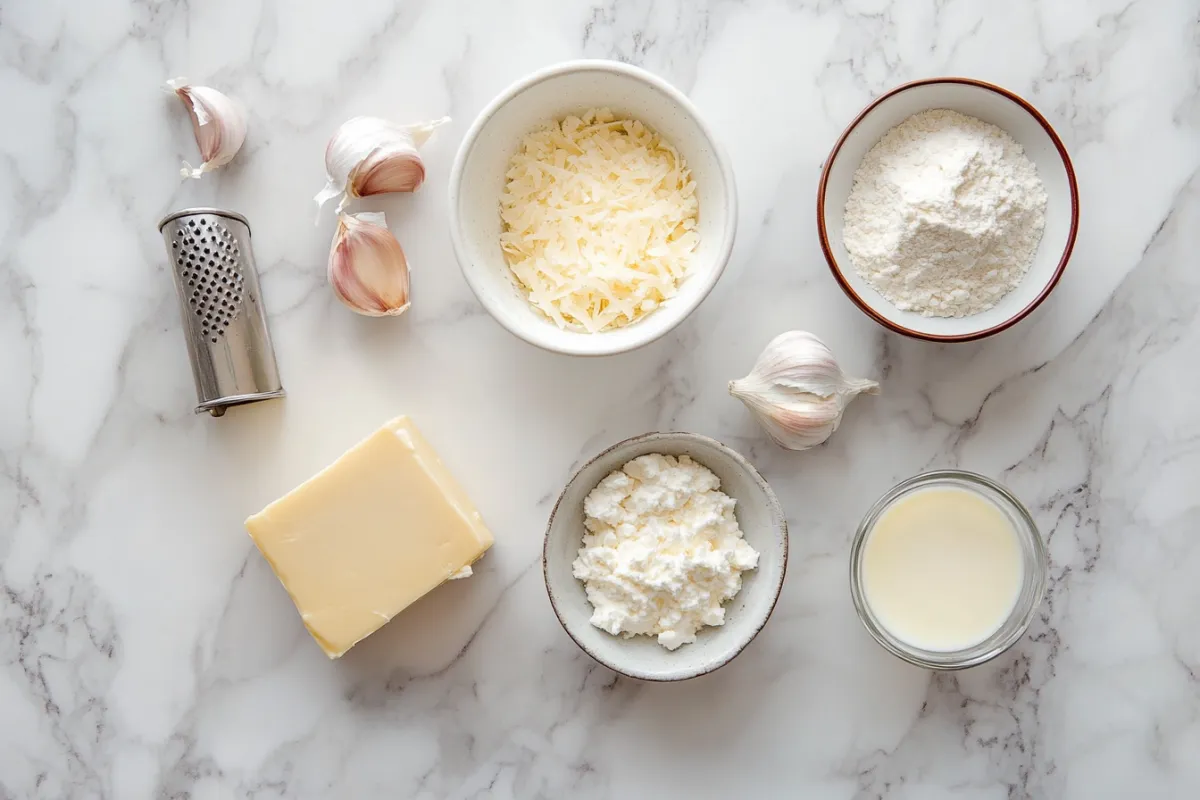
219, 299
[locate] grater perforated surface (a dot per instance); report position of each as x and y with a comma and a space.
220, 301
208, 258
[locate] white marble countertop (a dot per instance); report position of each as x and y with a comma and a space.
146, 650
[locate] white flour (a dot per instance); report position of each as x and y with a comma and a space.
945, 214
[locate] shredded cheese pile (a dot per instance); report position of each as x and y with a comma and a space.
599, 220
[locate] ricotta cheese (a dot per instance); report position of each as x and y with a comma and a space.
599, 220
662, 551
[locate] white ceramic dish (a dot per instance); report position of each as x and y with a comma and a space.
477, 181
762, 522
991, 104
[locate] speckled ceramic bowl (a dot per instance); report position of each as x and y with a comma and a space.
762, 522
477, 181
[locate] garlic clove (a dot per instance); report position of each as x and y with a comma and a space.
798, 391
367, 267
217, 121
383, 170
369, 155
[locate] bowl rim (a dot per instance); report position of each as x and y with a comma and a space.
865, 307
728, 185
774, 508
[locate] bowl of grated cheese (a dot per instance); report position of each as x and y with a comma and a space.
591, 208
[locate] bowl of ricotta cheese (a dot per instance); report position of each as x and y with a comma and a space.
948, 209
665, 555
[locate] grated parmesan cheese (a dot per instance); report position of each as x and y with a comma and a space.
599, 220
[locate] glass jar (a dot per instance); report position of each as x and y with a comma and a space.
1034, 559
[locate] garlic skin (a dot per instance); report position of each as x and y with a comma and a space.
797, 390
369, 155
218, 122
367, 267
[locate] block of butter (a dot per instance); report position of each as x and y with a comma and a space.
364, 538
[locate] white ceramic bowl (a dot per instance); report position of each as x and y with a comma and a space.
762, 522
991, 104
477, 181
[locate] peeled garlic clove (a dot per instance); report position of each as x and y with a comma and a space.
798, 391
218, 122
367, 267
369, 155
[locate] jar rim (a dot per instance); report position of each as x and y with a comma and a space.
1035, 559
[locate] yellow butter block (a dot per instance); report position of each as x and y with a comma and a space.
369, 535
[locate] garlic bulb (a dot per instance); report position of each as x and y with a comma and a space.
798, 391
367, 267
218, 122
368, 155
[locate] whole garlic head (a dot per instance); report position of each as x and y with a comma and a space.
797, 390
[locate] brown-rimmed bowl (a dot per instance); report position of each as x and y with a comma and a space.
989, 103
763, 525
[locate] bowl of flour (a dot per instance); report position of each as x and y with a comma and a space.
948, 209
